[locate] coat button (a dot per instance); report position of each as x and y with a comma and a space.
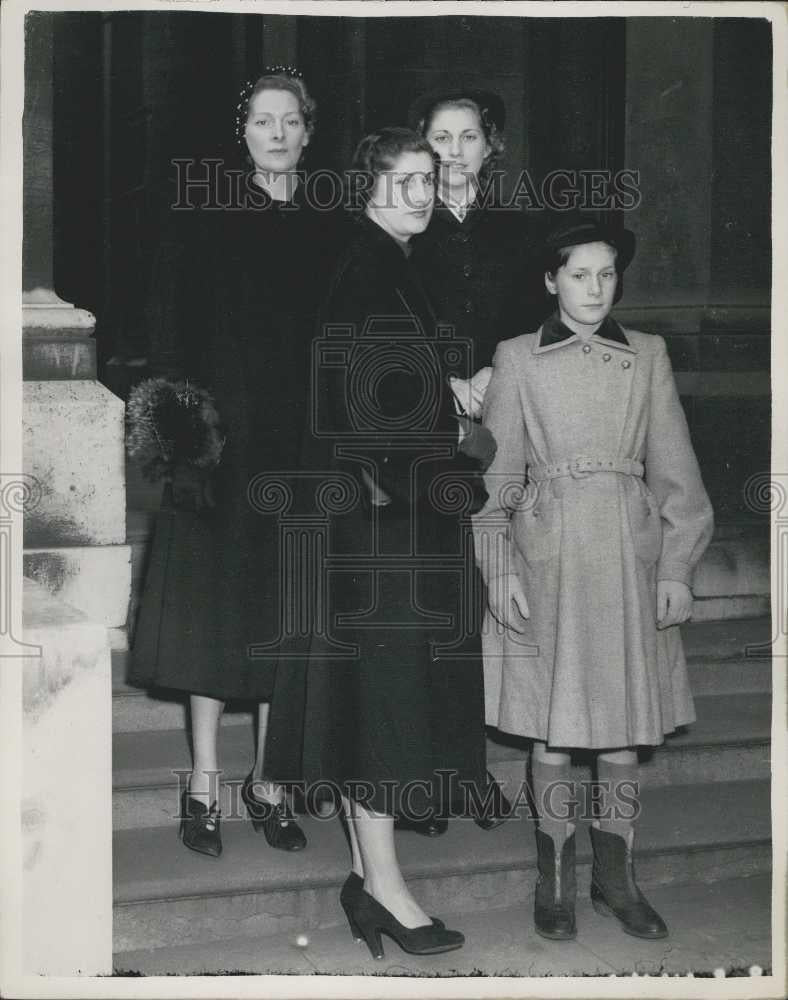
586, 348
606, 357
626, 364
467, 270
468, 307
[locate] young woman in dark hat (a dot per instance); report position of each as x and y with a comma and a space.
475, 253
588, 567
233, 305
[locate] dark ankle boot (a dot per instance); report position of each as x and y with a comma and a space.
613, 888
556, 888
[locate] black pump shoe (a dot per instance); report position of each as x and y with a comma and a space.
614, 892
368, 920
199, 829
498, 810
432, 826
274, 819
556, 888
354, 884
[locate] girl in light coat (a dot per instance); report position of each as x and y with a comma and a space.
589, 565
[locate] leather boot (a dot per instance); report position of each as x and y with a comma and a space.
613, 888
556, 888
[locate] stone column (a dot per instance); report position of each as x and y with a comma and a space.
700, 275
75, 551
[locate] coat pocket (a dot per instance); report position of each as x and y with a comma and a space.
536, 524
645, 522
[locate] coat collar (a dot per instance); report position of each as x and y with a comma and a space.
553, 333
473, 216
374, 236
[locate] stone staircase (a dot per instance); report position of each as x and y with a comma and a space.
706, 816
706, 798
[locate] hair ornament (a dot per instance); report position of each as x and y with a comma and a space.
246, 93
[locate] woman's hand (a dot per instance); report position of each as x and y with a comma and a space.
674, 603
470, 392
507, 603
477, 442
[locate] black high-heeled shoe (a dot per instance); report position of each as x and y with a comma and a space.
369, 920
200, 826
274, 819
354, 884
498, 810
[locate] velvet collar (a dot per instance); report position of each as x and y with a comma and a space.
554, 332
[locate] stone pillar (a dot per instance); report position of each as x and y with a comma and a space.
67, 783
75, 549
700, 276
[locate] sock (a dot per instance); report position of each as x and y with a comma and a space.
622, 802
553, 800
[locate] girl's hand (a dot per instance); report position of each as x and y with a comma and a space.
507, 603
674, 603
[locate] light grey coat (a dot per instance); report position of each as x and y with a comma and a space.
591, 669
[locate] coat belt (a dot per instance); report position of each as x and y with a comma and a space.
581, 467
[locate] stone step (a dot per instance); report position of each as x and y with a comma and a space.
140, 712
724, 924
731, 736
743, 638
715, 651
707, 609
166, 894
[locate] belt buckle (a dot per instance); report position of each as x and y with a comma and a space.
576, 472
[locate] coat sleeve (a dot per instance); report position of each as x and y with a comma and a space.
359, 293
505, 478
673, 476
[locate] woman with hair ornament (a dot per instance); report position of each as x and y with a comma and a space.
232, 308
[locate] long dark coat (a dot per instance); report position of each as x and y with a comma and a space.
480, 274
406, 703
615, 503
233, 306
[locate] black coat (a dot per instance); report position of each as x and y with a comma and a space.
232, 306
407, 703
482, 275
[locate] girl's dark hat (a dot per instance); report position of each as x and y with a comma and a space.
491, 105
576, 230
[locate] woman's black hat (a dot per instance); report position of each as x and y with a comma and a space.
576, 229
490, 104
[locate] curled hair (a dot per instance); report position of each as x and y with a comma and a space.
491, 132
276, 78
376, 154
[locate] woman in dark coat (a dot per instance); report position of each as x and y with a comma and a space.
403, 713
233, 309
475, 255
